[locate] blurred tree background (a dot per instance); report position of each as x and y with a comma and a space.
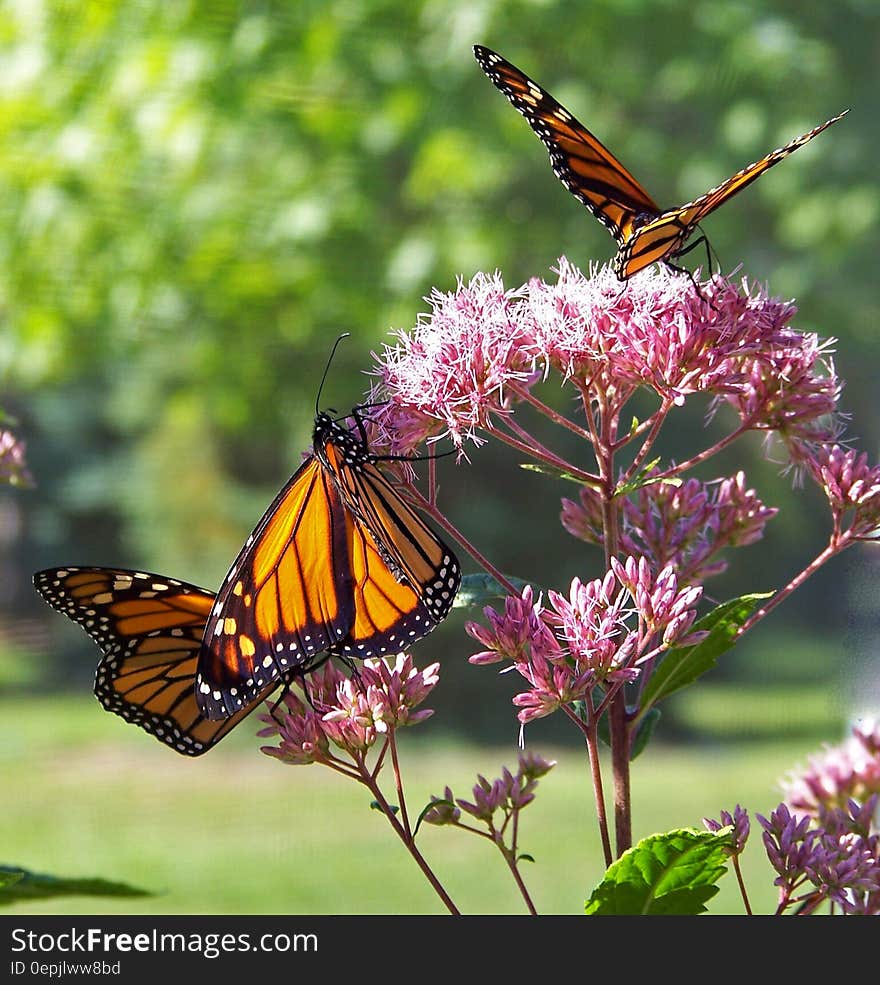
198, 197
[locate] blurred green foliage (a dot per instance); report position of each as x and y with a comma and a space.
196, 198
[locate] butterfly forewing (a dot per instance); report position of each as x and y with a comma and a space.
580, 160
286, 598
405, 577
338, 565
150, 629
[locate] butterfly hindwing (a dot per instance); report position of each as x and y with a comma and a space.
150, 630
645, 233
405, 576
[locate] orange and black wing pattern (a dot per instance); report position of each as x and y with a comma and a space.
405, 577
286, 599
150, 630
579, 159
333, 567
664, 237
645, 233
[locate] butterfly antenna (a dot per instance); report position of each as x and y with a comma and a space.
344, 335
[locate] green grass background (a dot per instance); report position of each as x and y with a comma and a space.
236, 832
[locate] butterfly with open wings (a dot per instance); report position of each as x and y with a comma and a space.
644, 232
338, 565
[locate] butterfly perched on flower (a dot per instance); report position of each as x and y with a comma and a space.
338, 565
645, 233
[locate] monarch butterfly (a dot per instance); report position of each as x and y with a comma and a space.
338, 565
644, 232
150, 628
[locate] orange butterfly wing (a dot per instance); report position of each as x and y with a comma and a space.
645, 233
579, 159
405, 577
150, 630
665, 235
286, 599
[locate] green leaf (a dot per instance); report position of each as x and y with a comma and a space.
525, 857
431, 804
644, 730
17, 885
481, 589
376, 806
643, 478
671, 873
682, 665
8, 877
557, 473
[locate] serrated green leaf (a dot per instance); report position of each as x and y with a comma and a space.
671, 873
481, 589
18, 885
682, 665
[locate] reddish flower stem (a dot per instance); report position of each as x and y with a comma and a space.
510, 858
591, 737
554, 416
369, 781
648, 443
742, 885
399, 783
835, 547
548, 458
457, 535
675, 470
619, 726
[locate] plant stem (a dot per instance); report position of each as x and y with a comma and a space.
590, 730
817, 562
742, 885
510, 858
457, 535
554, 416
368, 780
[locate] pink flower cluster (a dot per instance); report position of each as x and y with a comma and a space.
686, 524
451, 374
13, 467
850, 770
834, 856
510, 793
850, 484
598, 635
454, 371
349, 713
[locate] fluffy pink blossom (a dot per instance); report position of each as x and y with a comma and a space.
595, 636
839, 773
455, 366
850, 484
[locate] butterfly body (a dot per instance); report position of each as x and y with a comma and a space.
645, 233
